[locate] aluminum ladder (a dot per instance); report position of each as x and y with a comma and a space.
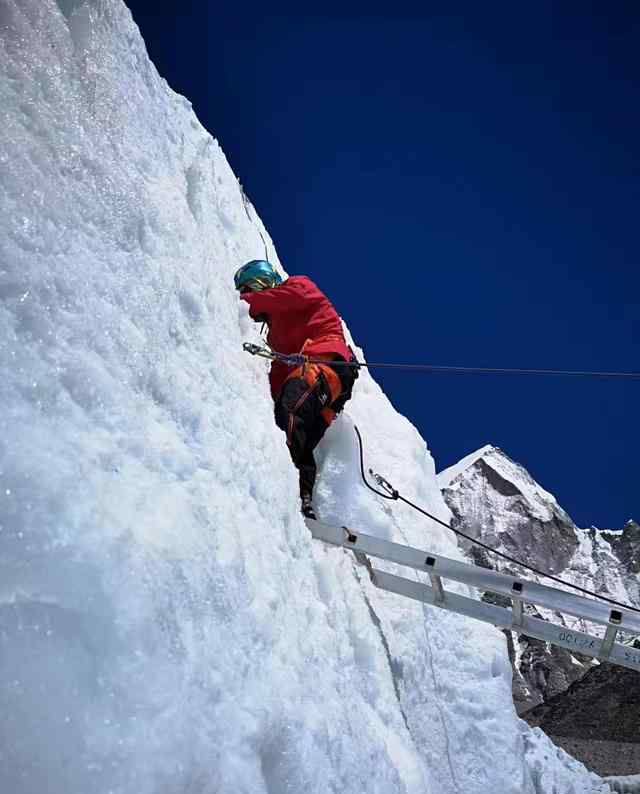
518, 591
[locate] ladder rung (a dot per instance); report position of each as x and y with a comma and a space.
610, 634
516, 610
438, 589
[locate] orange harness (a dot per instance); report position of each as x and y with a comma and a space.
310, 373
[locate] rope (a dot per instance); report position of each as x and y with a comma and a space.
392, 493
503, 371
297, 359
245, 201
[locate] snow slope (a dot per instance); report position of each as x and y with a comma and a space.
166, 622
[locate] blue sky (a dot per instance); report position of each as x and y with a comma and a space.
465, 187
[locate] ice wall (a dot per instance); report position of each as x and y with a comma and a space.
166, 622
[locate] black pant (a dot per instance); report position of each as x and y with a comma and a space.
298, 411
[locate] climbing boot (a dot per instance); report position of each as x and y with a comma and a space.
307, 507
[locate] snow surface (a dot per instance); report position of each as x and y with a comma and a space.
166, 622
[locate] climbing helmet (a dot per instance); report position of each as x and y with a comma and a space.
256, 275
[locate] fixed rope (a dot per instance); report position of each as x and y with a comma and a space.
298, 359
245, 204
392, 493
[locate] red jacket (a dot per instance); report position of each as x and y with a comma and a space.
298, 314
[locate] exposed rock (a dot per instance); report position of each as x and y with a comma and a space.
597, 719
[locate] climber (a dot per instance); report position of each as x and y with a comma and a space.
301, 319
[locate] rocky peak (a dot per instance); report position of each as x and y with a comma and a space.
496, 500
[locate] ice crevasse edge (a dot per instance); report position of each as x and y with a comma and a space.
166, 622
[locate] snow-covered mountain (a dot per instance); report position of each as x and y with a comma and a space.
166, 622
496, 500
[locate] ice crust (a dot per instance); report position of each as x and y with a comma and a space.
166, 622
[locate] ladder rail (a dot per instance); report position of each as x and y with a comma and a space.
482, 578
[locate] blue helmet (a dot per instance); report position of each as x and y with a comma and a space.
256, 275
